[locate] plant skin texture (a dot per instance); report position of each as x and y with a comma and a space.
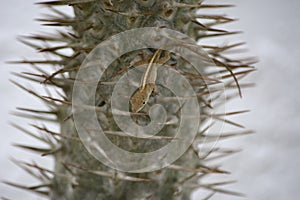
77, 173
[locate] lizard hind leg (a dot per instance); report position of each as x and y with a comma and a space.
165, 58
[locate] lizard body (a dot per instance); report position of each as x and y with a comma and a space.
147, 85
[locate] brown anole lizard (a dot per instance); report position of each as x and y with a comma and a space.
147, 85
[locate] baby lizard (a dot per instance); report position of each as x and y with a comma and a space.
147, 86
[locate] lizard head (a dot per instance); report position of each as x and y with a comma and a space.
140, 98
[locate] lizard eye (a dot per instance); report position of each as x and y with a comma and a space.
144, 102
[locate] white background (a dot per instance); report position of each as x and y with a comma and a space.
268, 166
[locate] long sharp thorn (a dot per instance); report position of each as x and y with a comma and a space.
32, 189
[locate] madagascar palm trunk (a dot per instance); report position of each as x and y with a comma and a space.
77, 173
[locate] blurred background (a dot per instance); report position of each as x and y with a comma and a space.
269, 165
